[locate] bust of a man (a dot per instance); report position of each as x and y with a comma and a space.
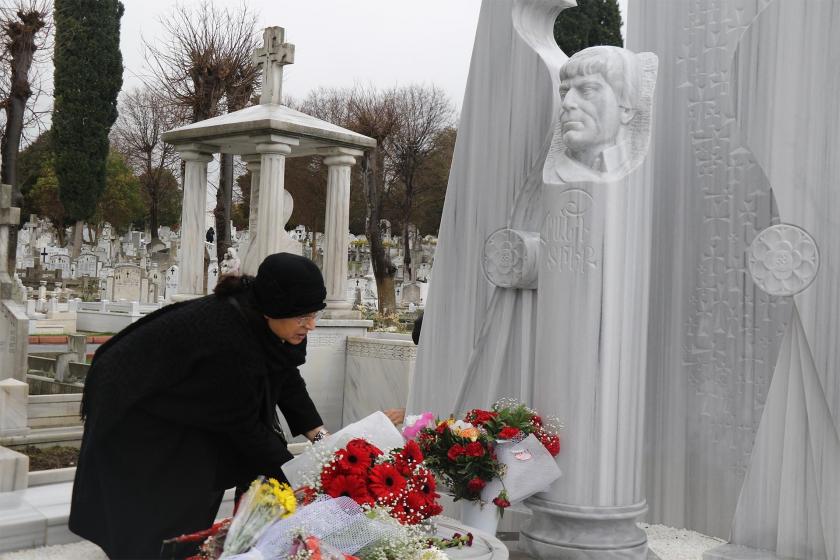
597, 135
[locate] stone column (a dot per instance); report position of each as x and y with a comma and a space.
252, 162
336, 226
193, 220
270, 229
9, 217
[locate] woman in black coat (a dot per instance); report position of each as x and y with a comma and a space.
180, 406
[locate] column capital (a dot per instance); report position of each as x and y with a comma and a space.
193, 155
339, 160
274, 148
252, 162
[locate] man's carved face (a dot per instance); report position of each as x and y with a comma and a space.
591, 116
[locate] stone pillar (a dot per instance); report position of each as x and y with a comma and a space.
252, 162
193, 220
9, 217
270, 229
336, 227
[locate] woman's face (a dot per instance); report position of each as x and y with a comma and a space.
293, 329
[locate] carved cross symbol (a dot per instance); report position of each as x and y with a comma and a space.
272, 56
44, 254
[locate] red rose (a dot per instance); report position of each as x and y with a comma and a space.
475, 485
474, 449
509, 432
442, 427
501, 502
477, 416
551, 443
455, 451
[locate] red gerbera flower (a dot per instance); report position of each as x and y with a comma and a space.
408, 458
424, 483
356, 458
385, 482
363, 446
349, 485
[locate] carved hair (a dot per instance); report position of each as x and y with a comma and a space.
617, 66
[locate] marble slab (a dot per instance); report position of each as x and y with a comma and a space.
378, 375
14, 469
14, 396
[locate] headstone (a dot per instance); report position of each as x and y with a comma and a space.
171, 281
212, 276
60, 262
127, 283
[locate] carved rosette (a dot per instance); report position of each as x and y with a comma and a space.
511, 258
783, 260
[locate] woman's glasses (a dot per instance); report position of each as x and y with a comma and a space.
304, 319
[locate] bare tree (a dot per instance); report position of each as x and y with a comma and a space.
205, 66
143, 116
25, 29
424, 112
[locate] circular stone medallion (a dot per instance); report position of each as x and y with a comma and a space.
783, 260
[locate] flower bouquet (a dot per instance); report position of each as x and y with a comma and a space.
504, 454
397, 481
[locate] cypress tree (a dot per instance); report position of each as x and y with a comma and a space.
590, 23
88, 78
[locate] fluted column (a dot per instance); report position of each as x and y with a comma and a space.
252, 162
270, 228
336, 227
193, 213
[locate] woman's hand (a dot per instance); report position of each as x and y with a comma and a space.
316, 434
395, 415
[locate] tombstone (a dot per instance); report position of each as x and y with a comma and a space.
156, 285
127, 283
411, 293
14, 324
171, 281
212, 276
86, 265
59, 262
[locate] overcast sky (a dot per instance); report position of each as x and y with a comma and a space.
339, 43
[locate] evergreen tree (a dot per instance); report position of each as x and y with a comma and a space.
591, 23
88, 77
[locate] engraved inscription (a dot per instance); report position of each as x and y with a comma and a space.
565, 236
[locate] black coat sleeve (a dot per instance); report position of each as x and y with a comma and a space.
225, 395
297, 406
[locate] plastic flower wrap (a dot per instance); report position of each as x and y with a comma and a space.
501, 455
265, 502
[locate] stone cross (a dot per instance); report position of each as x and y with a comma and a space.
272, 56
44, 255
9, 217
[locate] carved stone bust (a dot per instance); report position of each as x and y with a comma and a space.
603, 128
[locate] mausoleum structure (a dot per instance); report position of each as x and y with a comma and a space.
264, 136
